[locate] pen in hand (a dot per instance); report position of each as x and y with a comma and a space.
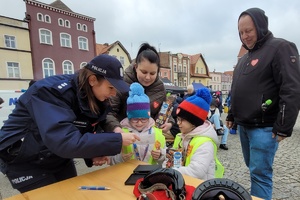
93, 188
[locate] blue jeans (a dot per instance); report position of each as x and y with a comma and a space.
215, 119
259, 150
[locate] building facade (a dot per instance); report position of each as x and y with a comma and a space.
62, 41
199, 71
117, 50
15, 60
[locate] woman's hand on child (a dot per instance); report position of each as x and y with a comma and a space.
166, 127
155, 154
98, 161
126, 156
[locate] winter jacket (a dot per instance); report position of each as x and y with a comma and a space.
270, 70
151, 139
52, 121
202, 163
156, 92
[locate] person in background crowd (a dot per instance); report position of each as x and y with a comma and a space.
218, 99
270, 71
190, 91
139, 121
1, 102
198, 138
145, 71
56, 120
215, 119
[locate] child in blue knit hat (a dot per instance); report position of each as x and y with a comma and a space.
152, 141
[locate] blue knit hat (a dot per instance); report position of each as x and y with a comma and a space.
195, 108
138, 103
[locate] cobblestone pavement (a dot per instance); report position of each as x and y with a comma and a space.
286, 167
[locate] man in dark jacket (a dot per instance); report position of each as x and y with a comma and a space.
265, 97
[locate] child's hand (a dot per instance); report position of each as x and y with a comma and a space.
155, 154
126, 156
98, 161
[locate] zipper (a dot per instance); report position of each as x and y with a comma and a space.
282, 114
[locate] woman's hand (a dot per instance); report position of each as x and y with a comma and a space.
129, 138
166, 127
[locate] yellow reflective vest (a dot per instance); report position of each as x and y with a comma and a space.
195, 143
159, 138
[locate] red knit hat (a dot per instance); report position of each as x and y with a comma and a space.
195, 108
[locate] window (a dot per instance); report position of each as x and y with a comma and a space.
61, 22
65, 40
47, 19
78, 26
82, 43
165, 74
83, 64
175, 68
10, 41
184, 68
84, 28
45, 36
40, 17
48, 67
197, 70
67, 24
68, 67
122, 60
13, 70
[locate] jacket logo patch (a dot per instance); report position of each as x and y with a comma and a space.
155, 104
293, 59
254, 62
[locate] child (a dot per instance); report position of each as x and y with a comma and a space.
215, 119
138, 121
197, 138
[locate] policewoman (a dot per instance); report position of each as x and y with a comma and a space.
59, 118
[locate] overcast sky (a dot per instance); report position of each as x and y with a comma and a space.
208, 27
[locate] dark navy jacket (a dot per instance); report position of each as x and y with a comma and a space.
51, 118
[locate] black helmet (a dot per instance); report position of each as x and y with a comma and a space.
214, 188
162, 179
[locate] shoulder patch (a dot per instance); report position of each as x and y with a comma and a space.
62, 86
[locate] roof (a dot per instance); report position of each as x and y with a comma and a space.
242, 52
59, 4
105, 48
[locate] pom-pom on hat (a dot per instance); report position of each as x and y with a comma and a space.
138, 103
195, 108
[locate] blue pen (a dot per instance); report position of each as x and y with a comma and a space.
93, 188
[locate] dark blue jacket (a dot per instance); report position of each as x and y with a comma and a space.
52, 118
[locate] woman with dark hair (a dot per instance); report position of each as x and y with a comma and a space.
145, 70
56, 120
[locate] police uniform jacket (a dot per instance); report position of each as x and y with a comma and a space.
52, 122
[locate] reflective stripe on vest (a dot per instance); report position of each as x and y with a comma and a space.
195, 143
158, 137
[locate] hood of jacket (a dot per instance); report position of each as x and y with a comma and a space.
261, 24
125, 124
206, 129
